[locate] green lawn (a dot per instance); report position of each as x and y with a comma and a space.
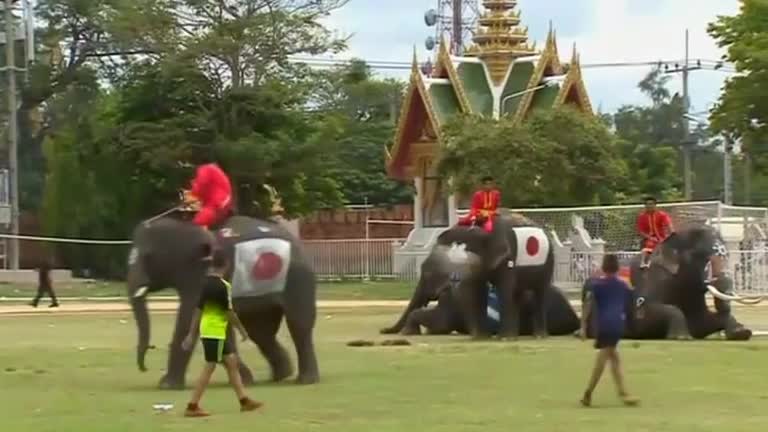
75, 373
395, 290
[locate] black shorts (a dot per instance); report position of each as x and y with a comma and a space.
216, 349
610, 340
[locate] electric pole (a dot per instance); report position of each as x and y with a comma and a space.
686, 144
727, 172
10, 68
686, 131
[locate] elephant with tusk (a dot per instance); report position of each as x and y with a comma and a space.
670, 296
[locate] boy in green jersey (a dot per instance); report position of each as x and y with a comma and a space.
212, 317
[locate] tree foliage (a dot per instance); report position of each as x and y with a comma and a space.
213, 82
579, 148
742, 111
366, 108
649, 140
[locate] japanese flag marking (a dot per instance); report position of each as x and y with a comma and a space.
532, 246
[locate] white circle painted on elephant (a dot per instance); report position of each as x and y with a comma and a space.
133, 256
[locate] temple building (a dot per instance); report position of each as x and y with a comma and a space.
501, 75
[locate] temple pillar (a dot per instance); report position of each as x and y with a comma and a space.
418, 203
453, 209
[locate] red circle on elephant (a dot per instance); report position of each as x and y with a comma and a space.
267, 266
532, 246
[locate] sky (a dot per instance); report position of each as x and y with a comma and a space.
604, 31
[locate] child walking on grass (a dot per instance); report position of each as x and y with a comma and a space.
610, 296
213, 316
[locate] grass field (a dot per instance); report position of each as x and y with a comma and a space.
77, 373
395, 290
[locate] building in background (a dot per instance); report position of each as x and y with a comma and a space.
502, 74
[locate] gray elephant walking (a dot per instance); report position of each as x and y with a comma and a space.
271, 280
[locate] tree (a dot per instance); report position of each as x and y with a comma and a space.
649, 140
366, 110
579, 148
116, 153
742, 110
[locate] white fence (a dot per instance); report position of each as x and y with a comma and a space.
373, 260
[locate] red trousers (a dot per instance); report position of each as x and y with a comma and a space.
485, 223
650, 245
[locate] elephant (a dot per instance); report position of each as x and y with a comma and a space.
271, 279
445, 317
669, 297
516, 258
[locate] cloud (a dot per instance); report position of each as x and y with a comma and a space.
604, 31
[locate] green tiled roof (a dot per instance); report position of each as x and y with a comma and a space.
545, 98
517, 82
444, 101
472, 76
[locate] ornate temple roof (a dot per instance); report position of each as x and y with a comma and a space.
502, 74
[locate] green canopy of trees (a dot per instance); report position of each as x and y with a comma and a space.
126, 90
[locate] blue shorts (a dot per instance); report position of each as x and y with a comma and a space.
607, 340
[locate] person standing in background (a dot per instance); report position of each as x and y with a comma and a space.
44, 284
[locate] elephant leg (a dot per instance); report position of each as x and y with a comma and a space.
434, 320
245, 373
540, 300
677, 325
734, 330
300, 315
178, 358
301, 333
412, 326
474, 301
704, 324
262, 329
509, 313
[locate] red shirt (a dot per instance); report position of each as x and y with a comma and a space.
485, 203
211, 186
656, 224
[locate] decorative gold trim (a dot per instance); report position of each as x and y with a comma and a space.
551, 44
547, 58
416, 84
444, 60
574, 78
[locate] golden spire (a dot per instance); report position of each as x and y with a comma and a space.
499, 40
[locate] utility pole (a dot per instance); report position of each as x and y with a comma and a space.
10, 67
686, 131
686, 144
747, 176
727, 171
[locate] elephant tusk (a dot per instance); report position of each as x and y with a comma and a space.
716, 293
140, 292
751, 300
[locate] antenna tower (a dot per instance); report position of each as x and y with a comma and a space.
454, 22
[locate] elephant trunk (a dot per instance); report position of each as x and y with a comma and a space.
141, 315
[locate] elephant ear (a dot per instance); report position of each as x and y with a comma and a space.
669, 257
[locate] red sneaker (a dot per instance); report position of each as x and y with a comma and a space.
250, 405
195, 411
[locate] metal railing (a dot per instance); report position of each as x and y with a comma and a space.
374, 260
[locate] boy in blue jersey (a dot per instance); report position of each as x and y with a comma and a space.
610, 296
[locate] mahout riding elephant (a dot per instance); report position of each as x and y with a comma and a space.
669, 297
516, 258
271, 279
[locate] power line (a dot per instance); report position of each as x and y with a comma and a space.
709, 65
